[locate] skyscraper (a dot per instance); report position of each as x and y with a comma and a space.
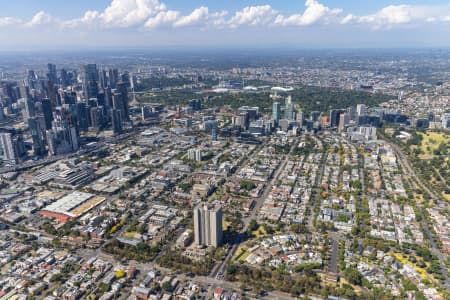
361, 110
65, 81
29, 109
208, 225
276, 112
108, 98
90, 81
52, 92
344, 119
8, 155
334, 117
62, 138
214, 134
195, 104
46, 107
289, 109
125, 108
113, 77
37, 127
116, 121
82, 116
103, 79
96, 117
300, 118
52, 75
315, 116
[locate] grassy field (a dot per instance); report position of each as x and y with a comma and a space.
446, 196
241, 253
225, 224
431, 141
260, 232
129, 235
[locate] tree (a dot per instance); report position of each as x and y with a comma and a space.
253, 225
120, 274
167, 286
353, 276
247, 185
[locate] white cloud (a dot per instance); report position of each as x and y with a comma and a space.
90, 17
164, 18
41, 18
218, 18
126, 13
390, 15
398, 15
8, 21
315, 12
253, 15
197, 16
152, 14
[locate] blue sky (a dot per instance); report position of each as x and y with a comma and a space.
48, 24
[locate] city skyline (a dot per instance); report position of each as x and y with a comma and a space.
25, 25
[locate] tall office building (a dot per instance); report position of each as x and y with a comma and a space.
65, 80
116, 121
96, 117
62, 138
46, 108
195, 104
334, 117
8, 153
214, 135
289, 109
208, 225
108, 97
29, 109
344, 119
52, 75
361, 110
25, 91
113, 77
37, 127
82, 116
351, 111
315, 116
241, 120
90, 81
103, 79
276, 112
125, 108
253, 112
300, 116
52, 93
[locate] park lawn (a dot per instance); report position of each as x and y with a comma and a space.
225, 224
241, 253
129, 235
446, 196
343, 281
432, 140
260, 232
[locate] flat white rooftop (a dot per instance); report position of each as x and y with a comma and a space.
69, 202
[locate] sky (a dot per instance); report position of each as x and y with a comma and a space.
147, 24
